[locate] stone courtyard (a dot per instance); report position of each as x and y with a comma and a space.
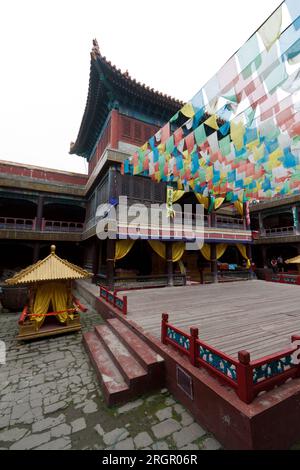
50, 399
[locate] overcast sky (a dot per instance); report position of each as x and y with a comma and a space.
174, 46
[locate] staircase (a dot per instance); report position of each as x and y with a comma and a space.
126, 366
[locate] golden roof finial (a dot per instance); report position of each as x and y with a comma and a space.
53, 248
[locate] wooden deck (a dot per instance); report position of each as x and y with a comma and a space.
254, 315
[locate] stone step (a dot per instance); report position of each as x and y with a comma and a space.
144, 354
133, 373
114, 387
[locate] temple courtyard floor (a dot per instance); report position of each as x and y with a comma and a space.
256, 316
50, 399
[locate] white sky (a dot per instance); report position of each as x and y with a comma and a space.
174, 46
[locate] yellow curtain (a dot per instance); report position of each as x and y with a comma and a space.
122, 248
160, 248
177, 194
181, 267
41, 303
242, 249
220, 250
205, 250
177, 251
60, 301
219, 201
57, 294
202, 200
239, 207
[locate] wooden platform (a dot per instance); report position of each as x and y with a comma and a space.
254, 315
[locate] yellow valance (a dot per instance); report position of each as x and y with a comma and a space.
160, 248
205, 251
122, 248
220, 250
177, 251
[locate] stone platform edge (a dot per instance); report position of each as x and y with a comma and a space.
271, 421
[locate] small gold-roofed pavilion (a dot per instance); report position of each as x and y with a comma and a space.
51, 309
51, 268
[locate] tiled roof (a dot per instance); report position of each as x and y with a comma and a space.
107, 81
50, 268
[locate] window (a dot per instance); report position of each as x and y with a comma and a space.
126, 127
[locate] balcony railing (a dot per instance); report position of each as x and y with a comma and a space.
10, 223
13, 223
61, 226
278, 231
229, 222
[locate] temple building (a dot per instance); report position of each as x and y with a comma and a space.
39, 206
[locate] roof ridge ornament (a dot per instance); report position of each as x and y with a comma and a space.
95, 49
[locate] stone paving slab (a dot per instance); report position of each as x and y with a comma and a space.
50, 399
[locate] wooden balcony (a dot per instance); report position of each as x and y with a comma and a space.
61, 226
10, 223
278, 231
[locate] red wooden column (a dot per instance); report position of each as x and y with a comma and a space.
164, 321
114, 129
194, 333
245, 377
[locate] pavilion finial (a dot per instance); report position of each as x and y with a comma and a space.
95, 49
53, 248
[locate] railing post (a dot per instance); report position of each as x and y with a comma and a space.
193, 345
125, 304
164, 321
245, 377
114, 297
296, 359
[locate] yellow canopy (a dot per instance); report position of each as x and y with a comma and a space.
293, 260
51, 268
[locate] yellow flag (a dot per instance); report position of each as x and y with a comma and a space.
237, 132
188, 110
212, 122
218, 202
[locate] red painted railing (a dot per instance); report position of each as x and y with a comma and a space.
77, 306
247, 377
112, 298
283, 278
23, 315
11, 223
